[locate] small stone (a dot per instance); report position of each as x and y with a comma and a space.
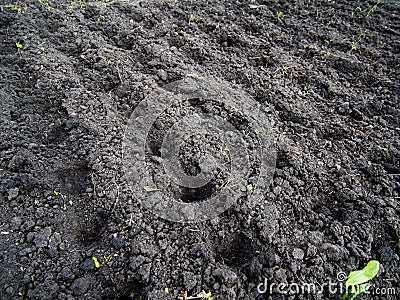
311, 251
66, 274
87, 264
62, 246
255, 267
280, 276
117, 243
80, 286
226, 275
334, 252
52, 252
25, 252
144, 272
344, 107
9, 290
42, 238
162, 75
27, 225
55, 240
386, 253
15, 223
298, 253
137, 261
190, 280
271, 259
316, 237
13, 193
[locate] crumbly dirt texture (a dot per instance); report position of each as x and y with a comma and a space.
72, 73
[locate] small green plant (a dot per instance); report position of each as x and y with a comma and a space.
284, 70
201, 296
255, 6
206, 296
354, 42
151, 189
373, 8
96, 262
14, 7
325, 11
279, 14
107, 258
357, 280
249, 189
19, 47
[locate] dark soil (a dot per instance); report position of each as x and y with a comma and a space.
328, 73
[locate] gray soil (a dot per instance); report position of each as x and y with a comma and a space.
327, 74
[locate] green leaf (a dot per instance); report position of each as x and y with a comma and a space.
151, 189
192, 75
249, 189
19, 45
364, 275
96, 262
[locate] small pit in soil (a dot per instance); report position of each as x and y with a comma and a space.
197, 146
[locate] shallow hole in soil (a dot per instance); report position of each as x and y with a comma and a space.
74, 180
205, 147
57, 134
134, 290
189, 195
282, 159
93, 228
235, 250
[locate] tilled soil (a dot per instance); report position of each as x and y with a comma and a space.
72, 73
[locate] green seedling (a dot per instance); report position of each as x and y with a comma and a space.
96, 262
354, 42
130, 222
192, 75
357, 280
255, 6
19, 47
257, 131
14, 7
279, 14
373, 8
205, 296
151, 189
200, 296
249, 189
284, 70
325, 11
107, 258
